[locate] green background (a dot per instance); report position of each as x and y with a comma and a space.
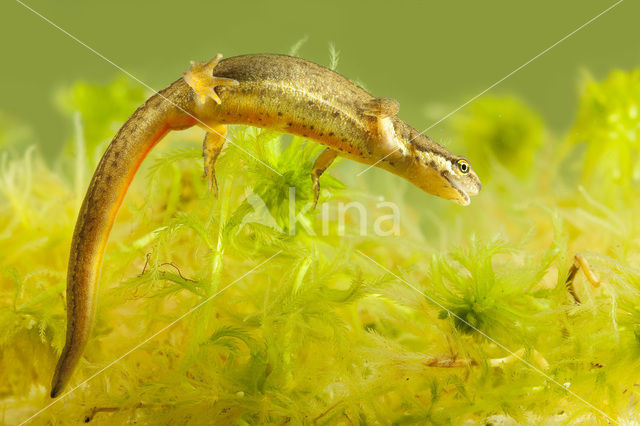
430, 56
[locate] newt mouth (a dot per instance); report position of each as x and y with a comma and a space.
463, 199
464, 190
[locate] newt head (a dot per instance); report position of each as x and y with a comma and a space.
462, 181
414, 156
451, 178
433, 168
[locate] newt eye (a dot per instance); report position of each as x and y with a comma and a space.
463, 166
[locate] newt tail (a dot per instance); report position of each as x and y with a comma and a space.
104, 197
279, 92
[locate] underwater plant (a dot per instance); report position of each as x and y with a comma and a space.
215, 310
608, 125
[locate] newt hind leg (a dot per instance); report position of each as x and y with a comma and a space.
200, 78
212, 146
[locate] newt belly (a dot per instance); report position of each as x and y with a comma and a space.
278, 92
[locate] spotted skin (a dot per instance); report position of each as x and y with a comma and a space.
278, 92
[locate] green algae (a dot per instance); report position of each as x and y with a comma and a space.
335, 326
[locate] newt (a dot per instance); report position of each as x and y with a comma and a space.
279, 92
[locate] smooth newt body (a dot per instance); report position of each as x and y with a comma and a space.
279, 92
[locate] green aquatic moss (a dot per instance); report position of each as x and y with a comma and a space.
324, 323
101, 110
502, 130
608, 124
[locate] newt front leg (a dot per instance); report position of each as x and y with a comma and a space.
322, 163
